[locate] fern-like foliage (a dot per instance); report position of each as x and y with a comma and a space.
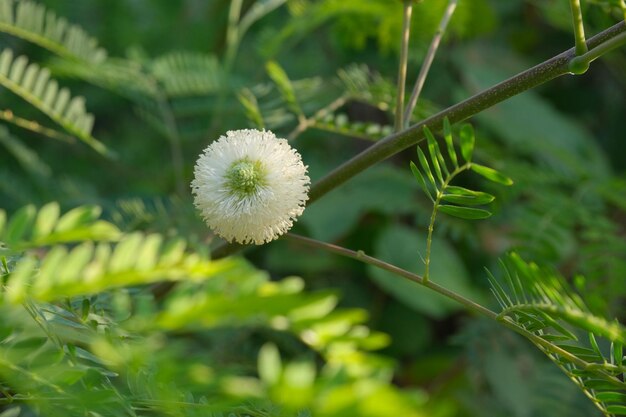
73, 340
283, 101
539, 304
188, 74
363, 84
31, 228
89, 267
435, 180
340, 123
33, 84
287, 100
435, 177
92, 268
33, 22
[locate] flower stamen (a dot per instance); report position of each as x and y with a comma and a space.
244, 177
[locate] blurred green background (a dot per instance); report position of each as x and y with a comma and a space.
563, 144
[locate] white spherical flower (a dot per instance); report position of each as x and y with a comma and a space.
250, 186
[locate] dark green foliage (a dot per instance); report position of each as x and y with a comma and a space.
434, 178
112, 305
540, 303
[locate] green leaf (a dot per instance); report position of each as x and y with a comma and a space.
420, 180
20, 224
3, 221
34, 85
269, 364
609, 396
617, 352
594, 344
183, 73
491, 174
426, 167
77, 217
467, 141
11, 412
463, 196
464, 212
31, 21
253, 112
46, 219
280, 78
619, 410
435, 154
447, 135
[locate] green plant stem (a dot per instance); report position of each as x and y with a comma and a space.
232, 33
471, 305
433, 216
404, 56
428, 60
546, 71
579, 28
362, 257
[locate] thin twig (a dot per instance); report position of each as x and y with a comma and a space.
404, 56
8, 116
428, 60
362, 257
307, 122
471, 305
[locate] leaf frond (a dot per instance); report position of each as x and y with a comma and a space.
32, 228
188, 74
33, 22
33, 84
539, 303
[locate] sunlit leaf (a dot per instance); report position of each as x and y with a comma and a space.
269, 364
464, 212
491, 174
420, 180
280, 78
447, 135
426, 167
435, 154
467, 141
46, 219
20, 224
460, 195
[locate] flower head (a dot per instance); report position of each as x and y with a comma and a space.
250, 186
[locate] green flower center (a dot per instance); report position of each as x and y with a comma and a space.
244, 177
